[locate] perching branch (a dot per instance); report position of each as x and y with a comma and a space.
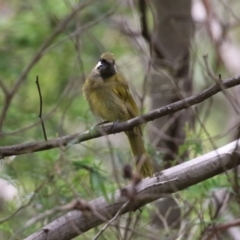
168, 181
120, 127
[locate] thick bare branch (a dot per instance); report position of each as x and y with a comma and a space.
120, 127
150, 189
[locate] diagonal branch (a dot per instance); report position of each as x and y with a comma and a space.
168, 181
22, 77
120, 127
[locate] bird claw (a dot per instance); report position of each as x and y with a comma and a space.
114, 125
101, 123
95, 126
98, 124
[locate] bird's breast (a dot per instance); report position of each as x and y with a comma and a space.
106, 104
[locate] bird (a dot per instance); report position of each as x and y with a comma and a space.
109, 98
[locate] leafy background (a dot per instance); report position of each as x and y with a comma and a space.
55, 177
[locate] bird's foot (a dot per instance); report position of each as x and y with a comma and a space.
114, 125
101, 123
96, 126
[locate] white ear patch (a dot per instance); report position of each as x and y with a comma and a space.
98, 65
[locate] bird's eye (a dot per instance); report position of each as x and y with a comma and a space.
103, 61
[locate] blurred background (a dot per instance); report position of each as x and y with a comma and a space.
167, 51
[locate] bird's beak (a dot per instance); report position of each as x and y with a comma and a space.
98, 65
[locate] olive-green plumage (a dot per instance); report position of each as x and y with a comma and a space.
109, 98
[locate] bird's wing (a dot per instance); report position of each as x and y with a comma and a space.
121, 89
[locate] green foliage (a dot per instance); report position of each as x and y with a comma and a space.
193, 143
97, 180
5, 227
55, 177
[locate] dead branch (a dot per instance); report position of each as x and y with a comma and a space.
166, 182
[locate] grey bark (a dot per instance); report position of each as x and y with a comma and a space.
177, 178
170, 76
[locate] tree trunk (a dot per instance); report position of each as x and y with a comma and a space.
170, 79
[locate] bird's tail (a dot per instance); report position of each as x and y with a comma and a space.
143, 163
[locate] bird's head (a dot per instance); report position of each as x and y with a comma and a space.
106, 65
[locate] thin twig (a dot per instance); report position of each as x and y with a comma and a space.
112, 220
40, 109
25, 205
59, 28
79, 30
136, 220
213, 230
76, 204
128, 223
143, 20
219, 81
62, 98
3, 87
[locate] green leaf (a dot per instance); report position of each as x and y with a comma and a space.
97, 182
